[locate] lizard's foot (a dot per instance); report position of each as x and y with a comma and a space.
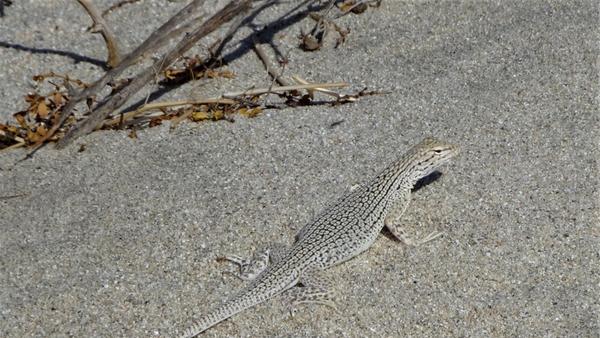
393, 220
315, 289
408, 240
309, 295
250, 268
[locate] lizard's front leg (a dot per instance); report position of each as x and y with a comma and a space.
392, 221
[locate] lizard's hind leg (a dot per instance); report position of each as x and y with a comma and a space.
250, 268
315, 289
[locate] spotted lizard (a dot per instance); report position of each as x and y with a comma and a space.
341, 232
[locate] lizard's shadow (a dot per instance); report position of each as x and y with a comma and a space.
420, 184
427, 180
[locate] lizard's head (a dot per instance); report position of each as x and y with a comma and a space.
429, 154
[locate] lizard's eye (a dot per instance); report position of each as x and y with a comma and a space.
438, 151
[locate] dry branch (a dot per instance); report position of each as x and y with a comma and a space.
227, 98
268, 65
45, 108
239, 99
100, 26
195, 30
115, 101
162, 105
156, 40
223, 16
230, 11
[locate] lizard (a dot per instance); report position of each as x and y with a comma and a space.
344, 230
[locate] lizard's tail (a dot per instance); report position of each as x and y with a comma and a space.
243, 301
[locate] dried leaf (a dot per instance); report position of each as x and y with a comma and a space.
32, 137
172, 74
218, 115
360, 8
157, 121
41, 130
42, 110
212, 74
200, 116
9, 128
250, 112
32, 98
132, 134
7, 132
227, 74
344, 7
20, 117
58, 99
4, 136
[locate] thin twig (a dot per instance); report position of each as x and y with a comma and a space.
227, 98
300, 80
268, 65
14, 146
161, 105
13, 196
100, 26
281, 89
11, 137
359, 7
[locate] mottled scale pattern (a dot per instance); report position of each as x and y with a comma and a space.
341, 232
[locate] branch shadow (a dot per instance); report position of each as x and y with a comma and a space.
74, 56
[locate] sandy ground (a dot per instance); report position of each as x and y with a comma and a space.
120, 240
